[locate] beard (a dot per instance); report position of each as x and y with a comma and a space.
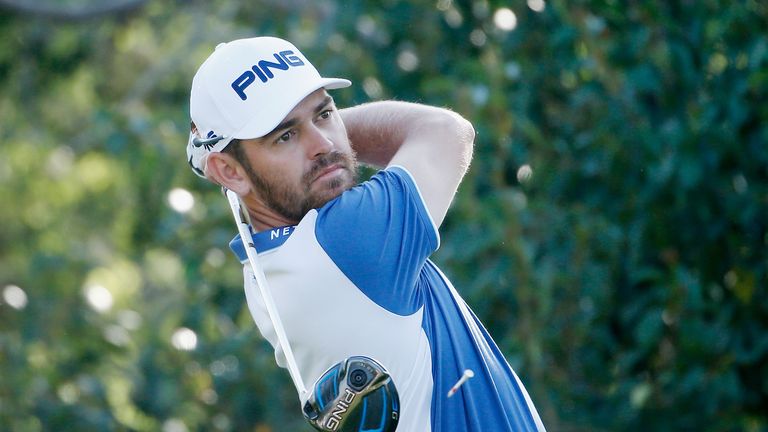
294, 201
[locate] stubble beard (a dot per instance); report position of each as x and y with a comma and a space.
293, 202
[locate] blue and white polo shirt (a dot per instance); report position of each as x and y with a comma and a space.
354, 278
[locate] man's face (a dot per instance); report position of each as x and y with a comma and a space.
305, 162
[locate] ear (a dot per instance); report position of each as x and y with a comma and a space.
225, 170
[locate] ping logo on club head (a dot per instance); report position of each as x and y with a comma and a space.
263, 69
341, 407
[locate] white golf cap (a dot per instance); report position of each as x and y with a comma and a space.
244, 90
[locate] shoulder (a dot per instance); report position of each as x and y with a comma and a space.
388, 200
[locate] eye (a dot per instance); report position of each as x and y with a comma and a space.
325, 114
285, 137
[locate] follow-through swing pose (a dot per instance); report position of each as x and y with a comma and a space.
346, 264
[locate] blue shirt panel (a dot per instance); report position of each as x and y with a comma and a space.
379, 235
490, 401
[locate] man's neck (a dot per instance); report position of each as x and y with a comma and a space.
264, 218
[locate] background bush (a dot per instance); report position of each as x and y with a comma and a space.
611, 232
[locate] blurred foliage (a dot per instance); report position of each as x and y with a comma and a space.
611, 233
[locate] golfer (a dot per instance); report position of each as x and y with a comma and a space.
347, 262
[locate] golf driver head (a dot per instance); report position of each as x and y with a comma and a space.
354, 395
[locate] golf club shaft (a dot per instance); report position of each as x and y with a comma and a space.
261, 282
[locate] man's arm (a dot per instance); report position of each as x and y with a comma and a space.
433, 144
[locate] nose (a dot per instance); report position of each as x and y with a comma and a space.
318, 142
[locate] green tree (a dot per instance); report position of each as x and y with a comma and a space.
611, 233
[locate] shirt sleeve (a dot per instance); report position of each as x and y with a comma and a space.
380, 235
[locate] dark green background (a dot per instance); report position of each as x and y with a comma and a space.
625, 278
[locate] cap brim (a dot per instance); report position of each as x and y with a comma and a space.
260, 126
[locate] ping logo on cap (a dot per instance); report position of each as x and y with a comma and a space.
263, 70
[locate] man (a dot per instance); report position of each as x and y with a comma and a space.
348, 263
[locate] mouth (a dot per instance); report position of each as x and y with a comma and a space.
328, 172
